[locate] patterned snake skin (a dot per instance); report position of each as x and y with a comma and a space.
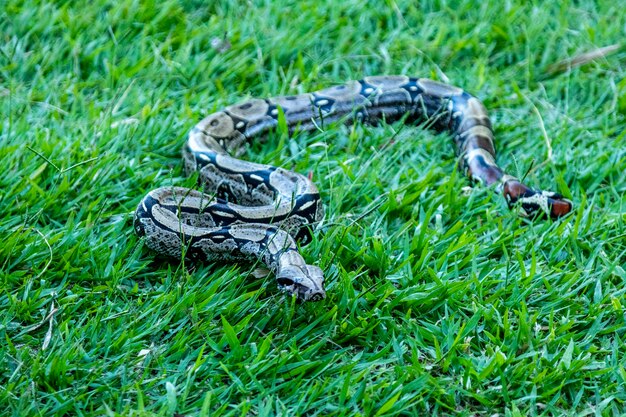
255, 211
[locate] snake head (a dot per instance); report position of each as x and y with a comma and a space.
306, 283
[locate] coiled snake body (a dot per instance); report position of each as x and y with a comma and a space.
255, 211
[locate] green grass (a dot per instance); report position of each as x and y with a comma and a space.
440, 301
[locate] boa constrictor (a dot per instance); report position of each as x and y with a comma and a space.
254, 211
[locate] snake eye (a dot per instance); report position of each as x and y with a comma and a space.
285, 282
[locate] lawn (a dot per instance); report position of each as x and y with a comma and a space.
440, 300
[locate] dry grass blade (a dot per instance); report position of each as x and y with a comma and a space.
583, 59
48, 337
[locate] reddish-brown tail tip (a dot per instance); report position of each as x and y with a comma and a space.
535, 202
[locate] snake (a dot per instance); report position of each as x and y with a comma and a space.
256, 212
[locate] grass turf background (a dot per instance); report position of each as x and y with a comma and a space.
439, 300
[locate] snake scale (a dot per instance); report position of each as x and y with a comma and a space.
254, 211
